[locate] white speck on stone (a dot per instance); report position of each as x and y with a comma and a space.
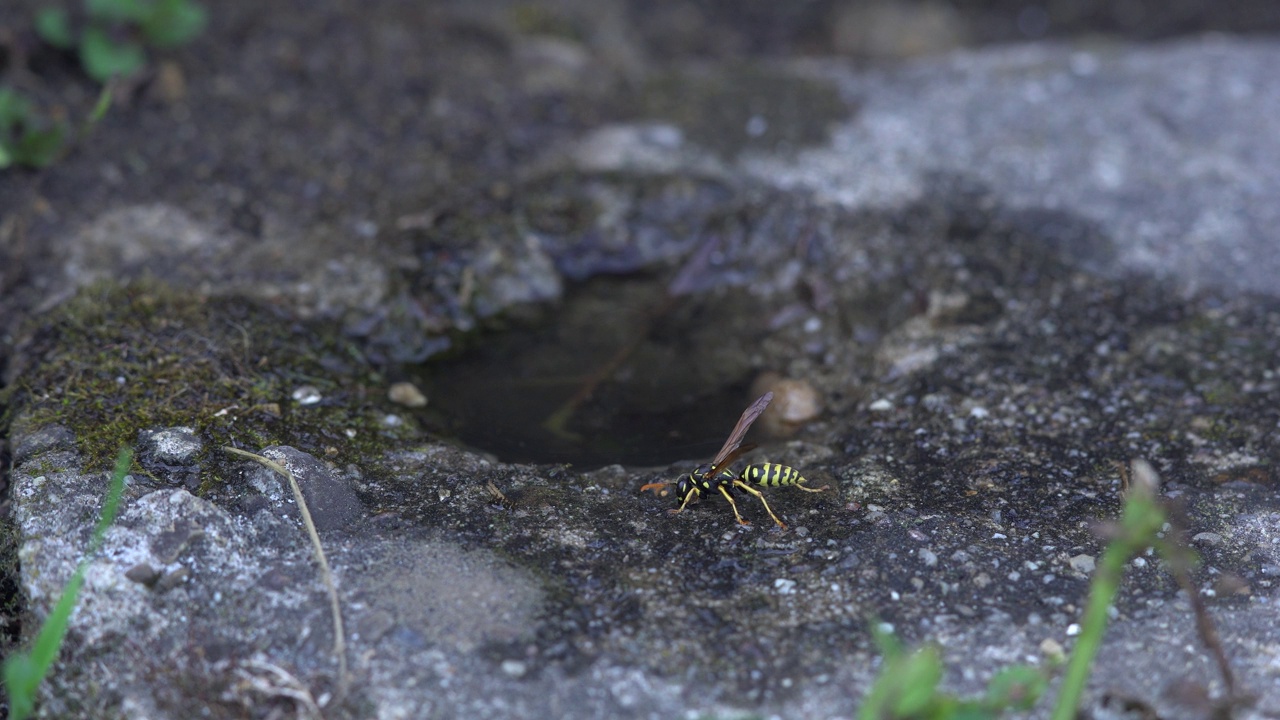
785, 586
881, 405
979, 412
1073, 629
307, 395
928, 557
514, 668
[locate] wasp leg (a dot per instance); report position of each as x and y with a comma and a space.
734, 505
806, 488
757, 493
693, 492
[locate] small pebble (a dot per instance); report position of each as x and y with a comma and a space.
143, 573
795, 402
1052, 649
406, 394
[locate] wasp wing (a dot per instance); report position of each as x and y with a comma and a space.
740, 430
730, 459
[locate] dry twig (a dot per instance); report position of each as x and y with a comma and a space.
339, 641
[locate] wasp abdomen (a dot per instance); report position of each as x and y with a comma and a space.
772, 475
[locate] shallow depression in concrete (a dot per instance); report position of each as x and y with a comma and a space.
619, 373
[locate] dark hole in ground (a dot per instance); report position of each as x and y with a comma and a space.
669, 397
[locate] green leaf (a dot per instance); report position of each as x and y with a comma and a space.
53, 25
39, 148
104, 58
123, 11
174, 22
15, 110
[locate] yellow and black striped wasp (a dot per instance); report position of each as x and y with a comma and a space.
717, 475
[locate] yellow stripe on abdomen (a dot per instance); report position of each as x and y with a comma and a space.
772, 474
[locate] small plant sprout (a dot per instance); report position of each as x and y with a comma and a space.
115, 35
26, 137
908, 683
908, 687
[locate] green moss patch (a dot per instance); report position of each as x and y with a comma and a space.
115, 360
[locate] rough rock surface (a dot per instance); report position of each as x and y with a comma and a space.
1006, 272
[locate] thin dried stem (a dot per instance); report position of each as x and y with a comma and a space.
339, 641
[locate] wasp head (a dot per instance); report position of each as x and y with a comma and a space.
686, 485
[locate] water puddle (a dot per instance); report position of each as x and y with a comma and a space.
621, 373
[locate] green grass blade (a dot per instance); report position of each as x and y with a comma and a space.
101, 107
24, 672
1140, 522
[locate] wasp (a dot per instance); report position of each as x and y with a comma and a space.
717, 475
